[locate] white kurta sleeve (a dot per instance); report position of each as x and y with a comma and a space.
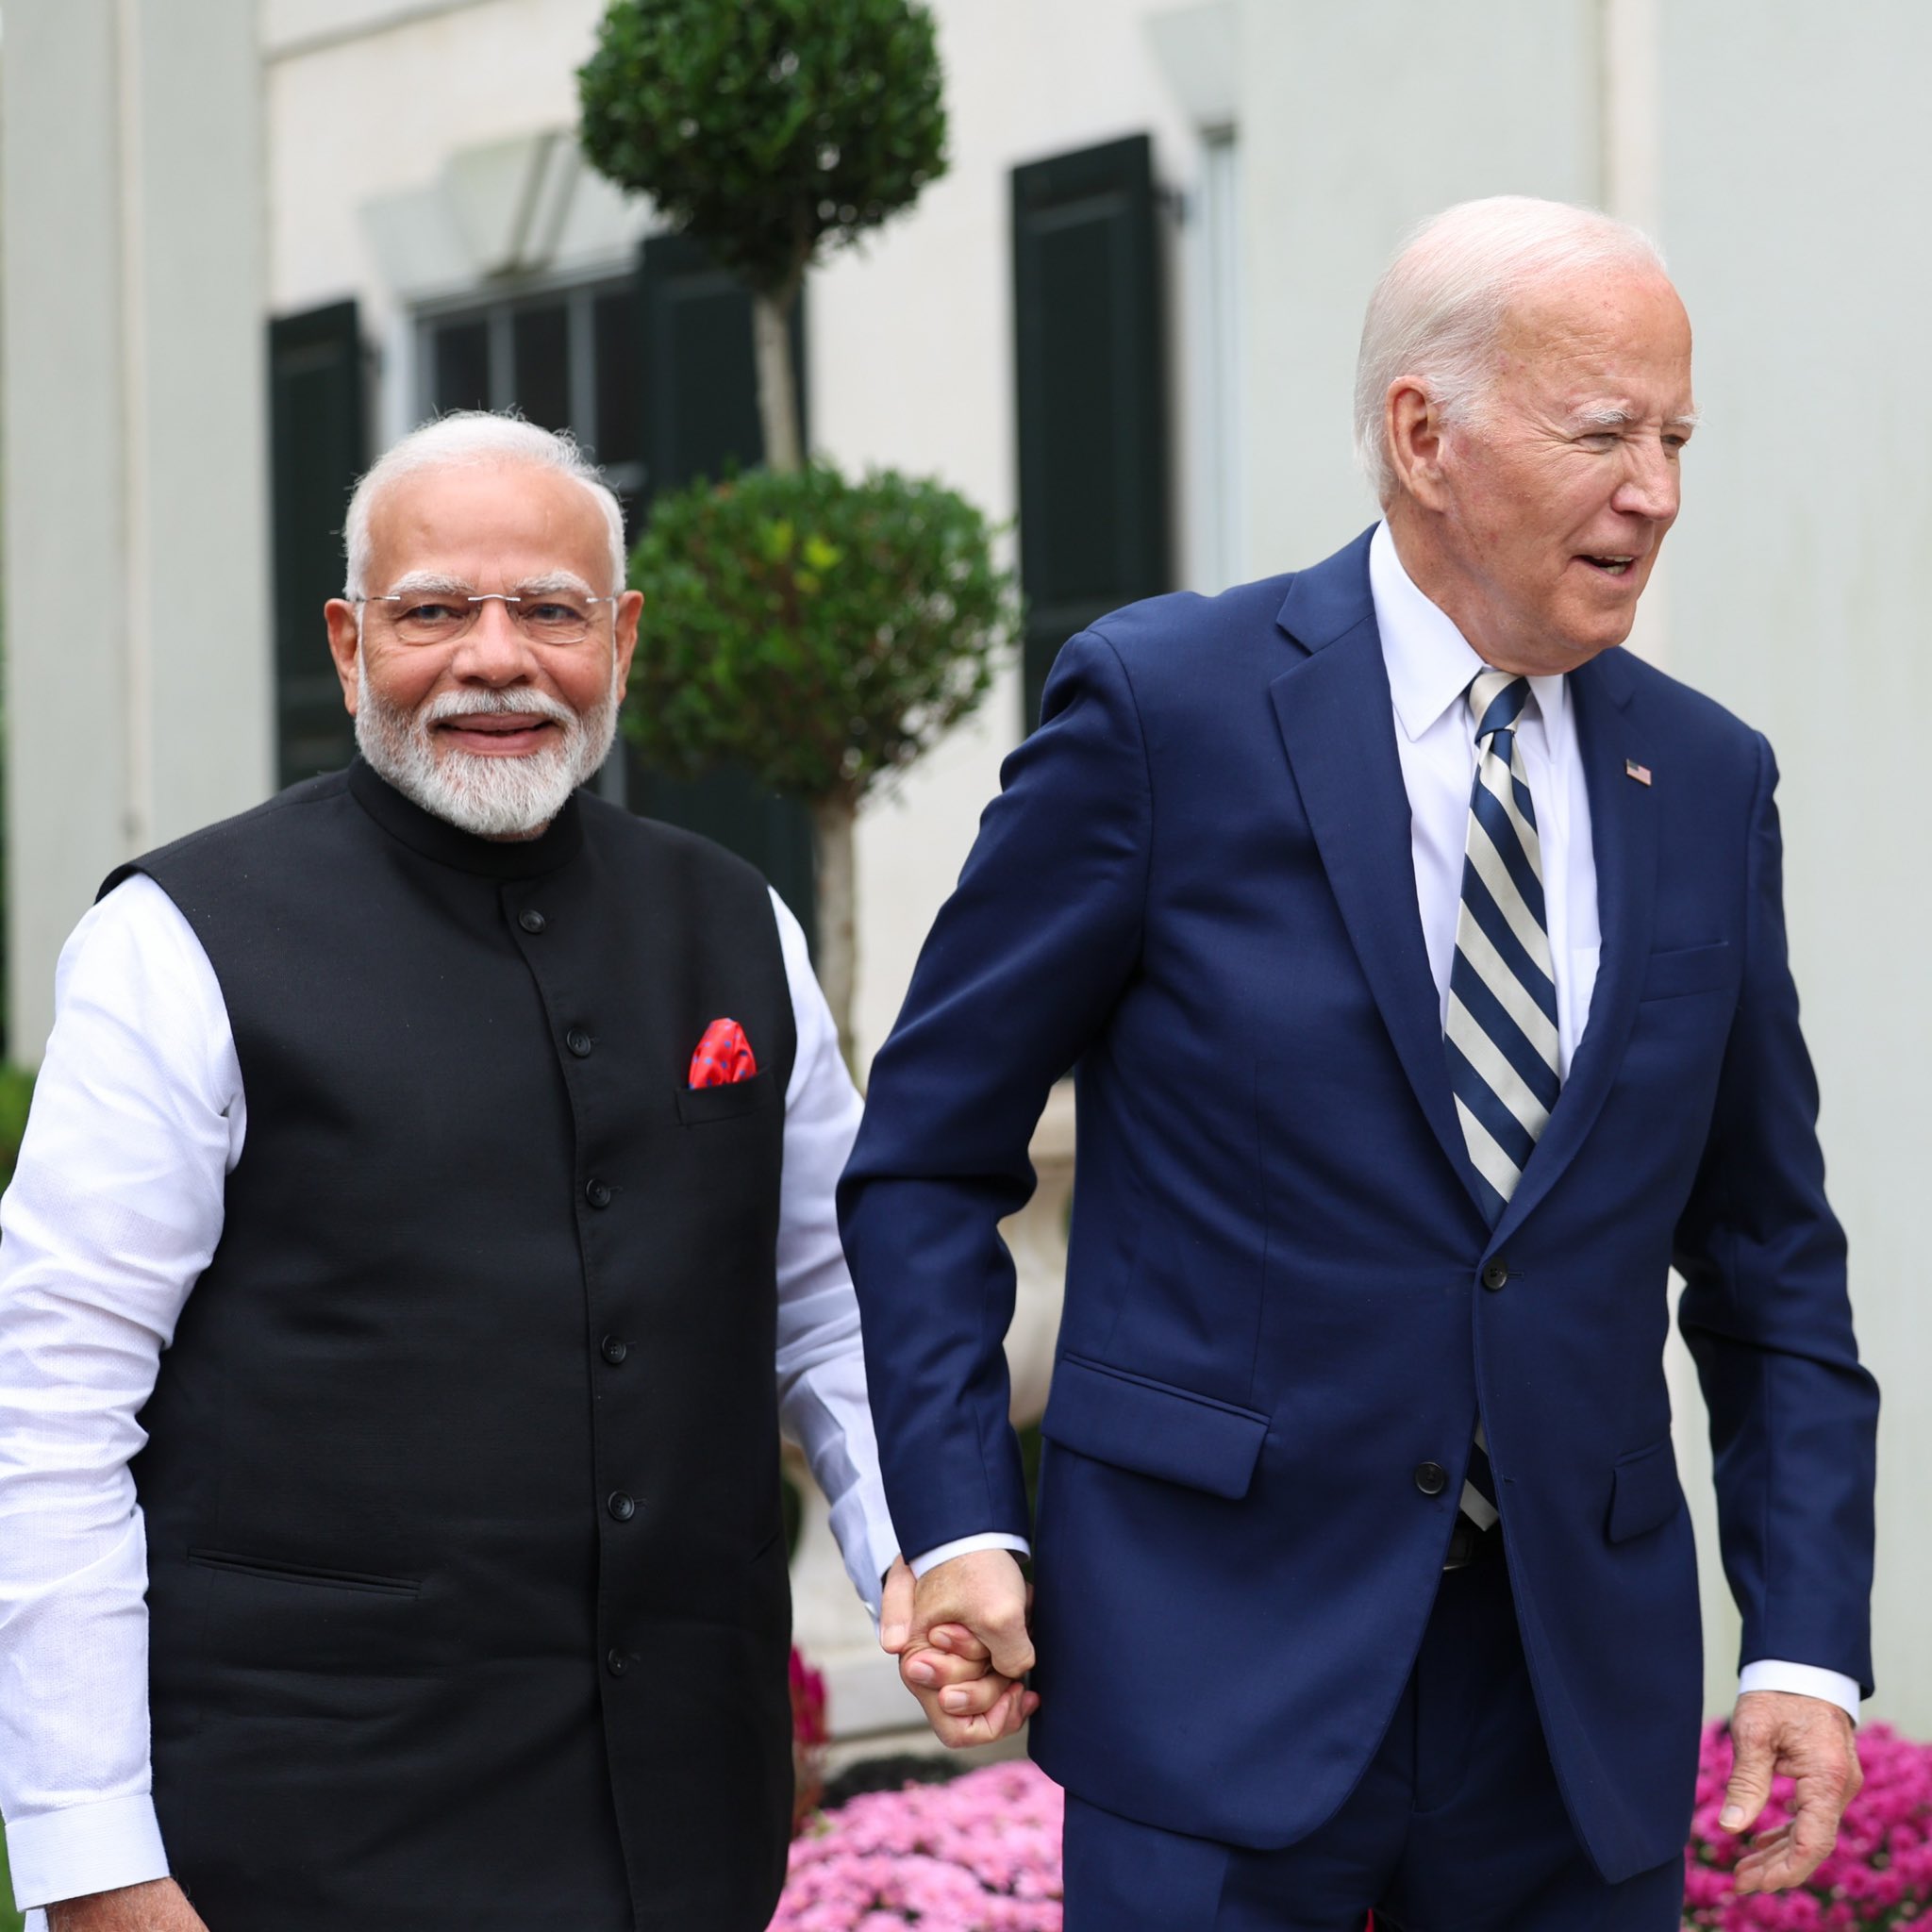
821, 1401
114, 1210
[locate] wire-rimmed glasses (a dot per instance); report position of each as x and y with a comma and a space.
440, 613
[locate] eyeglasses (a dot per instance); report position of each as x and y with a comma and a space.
442, 615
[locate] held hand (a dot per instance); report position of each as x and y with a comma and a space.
965, 1700
159, 1906
951, 1633
1809, 1741
986, 1591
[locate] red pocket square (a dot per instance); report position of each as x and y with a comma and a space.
724, 1056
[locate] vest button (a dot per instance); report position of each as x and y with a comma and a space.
1496, 1275
620, 1506
613, 1662
532, 921
578, 1042
613, 1348
597, 1194
1431, 1478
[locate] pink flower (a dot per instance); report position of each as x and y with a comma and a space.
981, 1854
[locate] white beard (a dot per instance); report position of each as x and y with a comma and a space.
491, 797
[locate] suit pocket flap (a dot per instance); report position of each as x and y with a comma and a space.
1691, 968
1644, 1492
1152, 1429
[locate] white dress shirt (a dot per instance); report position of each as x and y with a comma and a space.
115, 1210
1430, 665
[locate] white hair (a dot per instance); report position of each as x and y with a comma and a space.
1440, 303
489, 797
469, 440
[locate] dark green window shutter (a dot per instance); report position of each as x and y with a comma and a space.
699, 379
318, 434
1091, 383
698, 387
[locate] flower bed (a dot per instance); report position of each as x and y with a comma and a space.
982, 1854
1879, 1876
979, 1854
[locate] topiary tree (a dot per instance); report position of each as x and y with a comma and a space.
821, 632
774, 129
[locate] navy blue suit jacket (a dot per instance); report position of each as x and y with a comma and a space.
1196, 889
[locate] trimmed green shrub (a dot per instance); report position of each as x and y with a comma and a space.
820, 633
771, 130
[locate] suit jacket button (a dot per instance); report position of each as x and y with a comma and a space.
578, 1042
613, 1348
1496, 1275
1431, 1478
532, 921
597, 1194
620, 1506
613, 1662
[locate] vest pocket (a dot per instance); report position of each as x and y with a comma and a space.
271, 1571
698, 1106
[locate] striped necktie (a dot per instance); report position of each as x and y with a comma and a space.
1502, 1029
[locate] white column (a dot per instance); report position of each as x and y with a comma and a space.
135, 491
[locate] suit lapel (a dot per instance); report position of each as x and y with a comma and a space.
1338, 727
1623, 828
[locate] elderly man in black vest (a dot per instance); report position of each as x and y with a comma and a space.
427, 1172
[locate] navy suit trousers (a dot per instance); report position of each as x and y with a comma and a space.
1457, 1825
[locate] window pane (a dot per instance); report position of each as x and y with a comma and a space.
620, 401
541, 358
463, 366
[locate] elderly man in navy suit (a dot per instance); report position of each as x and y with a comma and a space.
1421, 956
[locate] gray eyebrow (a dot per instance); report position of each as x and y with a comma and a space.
422, 583
555, 580
1610, 416
418, 583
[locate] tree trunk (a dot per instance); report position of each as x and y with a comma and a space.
771, 329
831, 823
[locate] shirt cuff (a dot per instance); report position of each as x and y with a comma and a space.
863, 1528
965, 1545
1808, 1680
83, 1849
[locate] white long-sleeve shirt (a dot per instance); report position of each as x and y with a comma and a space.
1430, 665
116, 1207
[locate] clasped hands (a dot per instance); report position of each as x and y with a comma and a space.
959, 1633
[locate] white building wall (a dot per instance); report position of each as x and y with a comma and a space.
135, 487
1357, 122
1793, 190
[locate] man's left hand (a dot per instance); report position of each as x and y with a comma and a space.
1782, 1733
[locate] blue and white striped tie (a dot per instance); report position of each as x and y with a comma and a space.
1502, 1028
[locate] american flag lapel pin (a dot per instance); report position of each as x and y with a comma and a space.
1633, 770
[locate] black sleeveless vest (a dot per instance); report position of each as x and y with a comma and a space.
468, 1597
